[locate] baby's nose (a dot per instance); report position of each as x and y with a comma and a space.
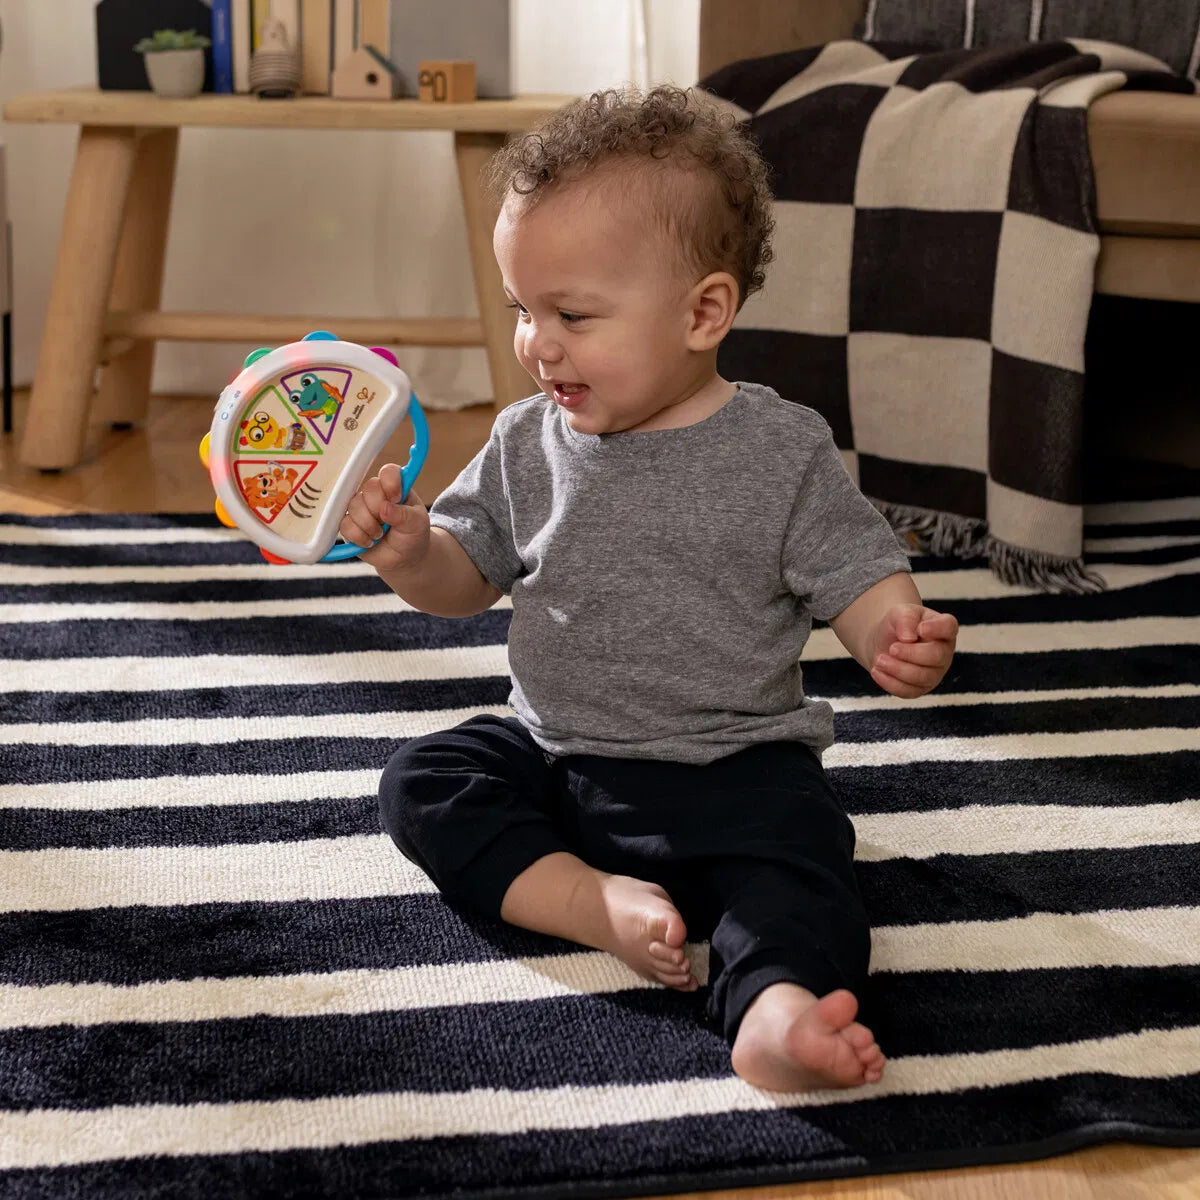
544, 347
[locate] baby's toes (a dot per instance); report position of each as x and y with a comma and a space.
667, 955
683, 980
859, 1036
873, 1059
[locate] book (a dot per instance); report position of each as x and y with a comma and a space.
260, 10
222, 45
345, 29
316, 45
240, 37
374, 24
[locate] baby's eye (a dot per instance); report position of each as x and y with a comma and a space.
522, 311
571, 318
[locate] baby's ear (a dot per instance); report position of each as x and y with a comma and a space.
714, 305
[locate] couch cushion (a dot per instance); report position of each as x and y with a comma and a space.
1146, 156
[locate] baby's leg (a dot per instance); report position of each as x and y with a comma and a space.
630, 918
473, 807
791, 942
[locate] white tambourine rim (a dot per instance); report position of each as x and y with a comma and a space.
282, 360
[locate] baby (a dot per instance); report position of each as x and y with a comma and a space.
667, 538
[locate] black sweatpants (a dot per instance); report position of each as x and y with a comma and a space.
753, 849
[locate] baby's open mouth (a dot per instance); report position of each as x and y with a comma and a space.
569, 395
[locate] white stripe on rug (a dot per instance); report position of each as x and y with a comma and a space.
209, 610
1149, 937
82, 675
184, 791
295, 608
49, 535
361, 865
1015, 637
587, 972
967, 583
221, 572
1024, 829
53, 1137
339, 868
996, 747
1137, 937
882, 700
210, 731
218, 670
179, 731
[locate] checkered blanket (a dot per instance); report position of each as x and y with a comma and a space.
935, 249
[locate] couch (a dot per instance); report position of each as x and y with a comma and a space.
1145, 146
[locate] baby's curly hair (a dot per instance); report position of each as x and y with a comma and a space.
723, 224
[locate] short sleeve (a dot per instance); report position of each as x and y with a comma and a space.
475, 510
837, 544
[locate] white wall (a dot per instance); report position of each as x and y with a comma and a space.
363, 224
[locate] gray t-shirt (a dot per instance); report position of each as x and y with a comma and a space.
664, 583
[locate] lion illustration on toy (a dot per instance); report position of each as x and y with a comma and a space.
269, 490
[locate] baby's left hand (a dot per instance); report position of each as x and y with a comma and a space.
913, 649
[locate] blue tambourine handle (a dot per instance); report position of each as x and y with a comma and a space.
408, 476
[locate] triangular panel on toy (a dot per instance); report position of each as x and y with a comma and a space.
317, 394
270, 425
268, 486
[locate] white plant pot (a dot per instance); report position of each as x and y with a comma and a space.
175, 73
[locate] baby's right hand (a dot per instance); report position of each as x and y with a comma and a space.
376, 504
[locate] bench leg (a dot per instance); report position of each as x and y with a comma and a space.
137, 279
57, 417
510, 381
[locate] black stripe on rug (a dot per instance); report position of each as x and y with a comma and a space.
256, 700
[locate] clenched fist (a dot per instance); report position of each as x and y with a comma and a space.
913, 647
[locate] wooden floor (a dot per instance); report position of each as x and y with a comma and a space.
156, 469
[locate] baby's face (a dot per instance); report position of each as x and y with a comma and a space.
602, 309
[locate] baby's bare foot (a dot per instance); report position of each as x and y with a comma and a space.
646, 931
562, 895
789, 1041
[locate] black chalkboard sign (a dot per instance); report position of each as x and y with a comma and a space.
121, 24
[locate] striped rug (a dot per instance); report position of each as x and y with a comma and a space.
218, 978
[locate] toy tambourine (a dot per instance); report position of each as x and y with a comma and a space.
293, 436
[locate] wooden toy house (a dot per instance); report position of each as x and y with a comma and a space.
365, 74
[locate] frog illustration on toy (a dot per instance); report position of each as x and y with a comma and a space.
316, 398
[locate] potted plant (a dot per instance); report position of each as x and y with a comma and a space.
174, 61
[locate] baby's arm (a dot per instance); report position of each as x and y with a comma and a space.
423, 565
906, 647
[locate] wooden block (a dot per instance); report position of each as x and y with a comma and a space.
446, 81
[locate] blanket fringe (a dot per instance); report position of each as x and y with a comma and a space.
948, 535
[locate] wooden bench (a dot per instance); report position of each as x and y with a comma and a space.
106, 291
